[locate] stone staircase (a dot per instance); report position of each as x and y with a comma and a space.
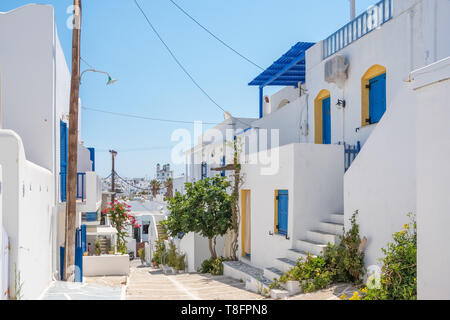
161, 234
315, 241
105, 245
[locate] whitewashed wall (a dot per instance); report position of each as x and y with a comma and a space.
432, 87
381, 183
415, 37
28, 216
313, 176
197, 250
32, 60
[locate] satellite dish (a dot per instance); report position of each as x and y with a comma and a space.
227, 115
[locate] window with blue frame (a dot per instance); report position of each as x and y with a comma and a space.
377, 98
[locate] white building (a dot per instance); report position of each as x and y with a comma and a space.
345, 95
34, 104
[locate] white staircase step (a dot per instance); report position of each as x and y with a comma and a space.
272, 273
331, 227
284, 264
314, 248
336, 218
295, 254
321, 237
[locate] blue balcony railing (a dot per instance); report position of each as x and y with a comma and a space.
374, 17
81, 186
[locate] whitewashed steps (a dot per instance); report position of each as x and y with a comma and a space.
321, 237
295, 254
336, 218
284, 264
312, 247
272, 273
331, 227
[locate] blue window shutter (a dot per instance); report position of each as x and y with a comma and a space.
283, 202
223, 164
63, 142
92, 157
83, 238
377, 98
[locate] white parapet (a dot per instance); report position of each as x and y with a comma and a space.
106, 265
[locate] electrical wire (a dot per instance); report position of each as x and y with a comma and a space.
214, 36
179, 63
143, 117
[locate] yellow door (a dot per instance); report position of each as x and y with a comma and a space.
246, 223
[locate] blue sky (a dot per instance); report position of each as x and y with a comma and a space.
117, 39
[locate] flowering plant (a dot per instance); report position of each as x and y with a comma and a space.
119, 214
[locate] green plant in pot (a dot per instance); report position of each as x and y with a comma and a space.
141, 254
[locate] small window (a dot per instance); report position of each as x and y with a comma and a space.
145, 228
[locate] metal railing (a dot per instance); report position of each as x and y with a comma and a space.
81, 186
374, 17
350, 154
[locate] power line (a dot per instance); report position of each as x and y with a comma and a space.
180, 64
137, 149
214, 36
143, 117
131, 185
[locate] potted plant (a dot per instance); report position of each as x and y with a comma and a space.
141, 253
98, 250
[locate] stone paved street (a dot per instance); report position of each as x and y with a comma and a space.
151, 284
147, 283
82, 291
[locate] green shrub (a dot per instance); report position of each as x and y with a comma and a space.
399, 272
180, 262
172, 255
312, 273
159, 257
141, 253
344, 259
339, 263
213, 266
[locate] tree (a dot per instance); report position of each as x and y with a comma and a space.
169, 188
205, 208
155, 186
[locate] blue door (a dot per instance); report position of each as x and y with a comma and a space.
326, 121
377, 98
283, 198
63, 142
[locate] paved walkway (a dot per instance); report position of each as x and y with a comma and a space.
81, 291
152, 284
146, 283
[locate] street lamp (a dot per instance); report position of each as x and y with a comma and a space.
110, 79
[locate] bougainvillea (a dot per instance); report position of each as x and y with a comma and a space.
120, 217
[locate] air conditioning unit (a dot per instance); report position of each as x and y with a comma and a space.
336, 70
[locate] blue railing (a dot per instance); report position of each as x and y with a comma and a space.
81, 186
350, 154
90, 216
374, 17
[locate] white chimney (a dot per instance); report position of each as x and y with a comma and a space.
352, 10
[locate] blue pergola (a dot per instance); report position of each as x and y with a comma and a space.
289, 70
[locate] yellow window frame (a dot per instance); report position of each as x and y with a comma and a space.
318, 115
374, 71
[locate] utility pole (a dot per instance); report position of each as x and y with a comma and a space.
71, 204
113, 173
